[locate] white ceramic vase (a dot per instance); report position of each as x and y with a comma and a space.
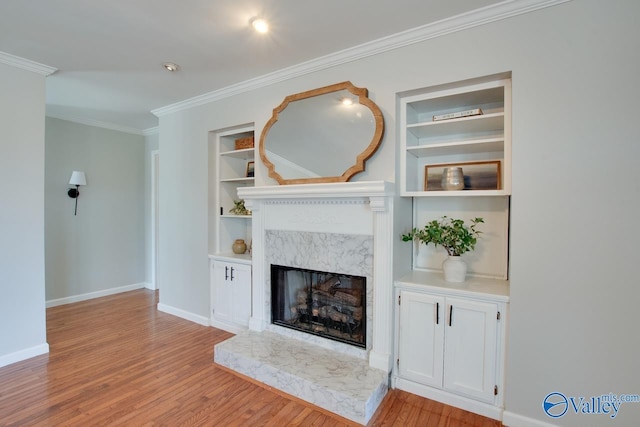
455, 269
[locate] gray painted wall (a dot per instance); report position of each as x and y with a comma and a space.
22, 300
573, 324
103, 247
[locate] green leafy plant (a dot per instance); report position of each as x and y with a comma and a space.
452, 234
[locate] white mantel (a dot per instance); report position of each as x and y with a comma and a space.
338, 190
351, 208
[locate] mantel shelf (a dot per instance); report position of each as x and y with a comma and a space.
340, 190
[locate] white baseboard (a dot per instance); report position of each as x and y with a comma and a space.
234, 329
451, 399
511, 419
92, 295
149, 286
195, 318
27, 353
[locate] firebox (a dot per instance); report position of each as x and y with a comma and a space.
330, 305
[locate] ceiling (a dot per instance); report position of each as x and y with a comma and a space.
109, 55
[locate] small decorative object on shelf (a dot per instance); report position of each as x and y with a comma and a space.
455, 237
239, 246
478, 175
243, 143
453, 178
239, 208
251, 167
457, 115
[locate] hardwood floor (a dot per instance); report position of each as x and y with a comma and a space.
118, 361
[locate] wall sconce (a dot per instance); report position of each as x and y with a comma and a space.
77, 179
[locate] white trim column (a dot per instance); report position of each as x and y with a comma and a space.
257, 321
381, 355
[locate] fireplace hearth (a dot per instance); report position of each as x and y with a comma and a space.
330, 305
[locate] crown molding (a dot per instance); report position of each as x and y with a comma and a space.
151, 131
97, 123
26, 64
482, 16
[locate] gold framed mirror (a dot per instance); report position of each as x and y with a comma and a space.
322, 135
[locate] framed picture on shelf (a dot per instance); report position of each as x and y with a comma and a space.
478, 175
251, 167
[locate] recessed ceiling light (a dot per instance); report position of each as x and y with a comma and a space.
170, 66
260, 25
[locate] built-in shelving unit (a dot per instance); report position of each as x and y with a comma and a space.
231, 174
230, 273
457, 141
450, 338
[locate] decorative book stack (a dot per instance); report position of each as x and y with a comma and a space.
457, 115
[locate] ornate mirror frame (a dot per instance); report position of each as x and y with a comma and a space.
359, 161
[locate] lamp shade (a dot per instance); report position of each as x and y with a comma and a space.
78, 178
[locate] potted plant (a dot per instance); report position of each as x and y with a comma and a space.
455, 237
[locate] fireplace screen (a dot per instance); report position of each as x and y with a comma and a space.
330, 305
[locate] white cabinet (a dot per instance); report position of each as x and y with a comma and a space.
421, 338
470, 348
450, 344
230, 294
470, 141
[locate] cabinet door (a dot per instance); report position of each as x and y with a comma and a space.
420, 344
222, 289
241, 293
470, 348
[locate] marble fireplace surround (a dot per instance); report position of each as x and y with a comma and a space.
359, 216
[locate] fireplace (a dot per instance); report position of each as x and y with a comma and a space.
335, 227
345, 229
330, 305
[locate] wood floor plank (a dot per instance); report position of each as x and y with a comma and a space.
117, 361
